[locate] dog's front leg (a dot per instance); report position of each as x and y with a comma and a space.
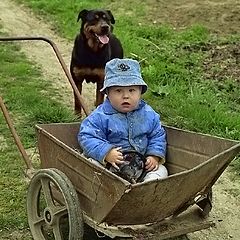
77, 105
99, 95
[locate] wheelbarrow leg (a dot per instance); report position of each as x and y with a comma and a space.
205, 203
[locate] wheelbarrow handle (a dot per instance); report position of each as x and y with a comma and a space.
61, 61
15, 135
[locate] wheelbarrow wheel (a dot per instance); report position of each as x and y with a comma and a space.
53, 207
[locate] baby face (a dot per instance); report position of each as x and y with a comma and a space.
124, 99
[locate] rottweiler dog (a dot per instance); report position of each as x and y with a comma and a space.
93, 47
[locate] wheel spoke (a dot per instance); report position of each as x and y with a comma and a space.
39, 222
60, 212
53, 207
47, 192
57, 231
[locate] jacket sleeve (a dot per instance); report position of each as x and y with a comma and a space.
157, 139
92, 138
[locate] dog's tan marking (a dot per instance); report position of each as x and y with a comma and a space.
80, 72
92, 41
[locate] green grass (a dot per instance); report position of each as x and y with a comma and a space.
172, 64
29, 99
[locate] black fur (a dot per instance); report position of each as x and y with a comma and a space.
133, 168
90, 54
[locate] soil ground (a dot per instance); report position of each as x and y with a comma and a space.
222, 17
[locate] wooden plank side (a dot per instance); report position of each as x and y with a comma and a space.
197, 142
64, 132
179, 159
154, 201
106, 197
98, 189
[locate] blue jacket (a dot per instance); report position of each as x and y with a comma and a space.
106, 128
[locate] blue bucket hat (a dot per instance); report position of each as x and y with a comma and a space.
123, 73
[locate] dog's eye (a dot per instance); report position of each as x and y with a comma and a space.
96, 16
104, 16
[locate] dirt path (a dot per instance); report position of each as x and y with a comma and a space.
17, 21
220, 16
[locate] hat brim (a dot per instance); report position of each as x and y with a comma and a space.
123, 81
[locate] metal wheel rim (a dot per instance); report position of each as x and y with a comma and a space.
41, 189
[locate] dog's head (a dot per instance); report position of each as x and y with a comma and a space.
96, 24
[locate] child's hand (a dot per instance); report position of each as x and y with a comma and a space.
115, 157
152, 163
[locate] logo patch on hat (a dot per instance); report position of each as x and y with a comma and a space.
123, 67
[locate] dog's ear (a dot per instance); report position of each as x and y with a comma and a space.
82, 14
111, 16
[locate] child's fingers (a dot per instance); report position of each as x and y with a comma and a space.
120, 157
156, 168
118, 148
119, 162
115, 165
151, 165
